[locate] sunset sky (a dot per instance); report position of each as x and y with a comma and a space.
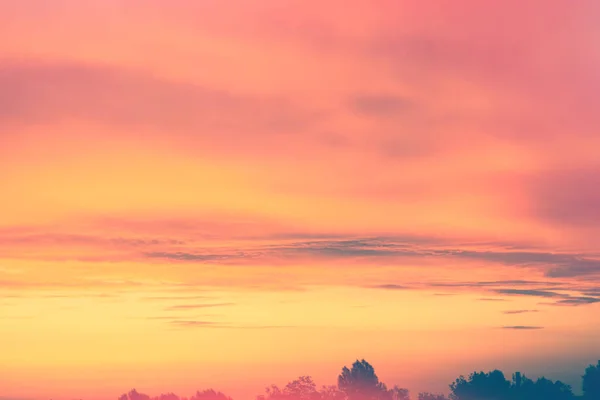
233, 193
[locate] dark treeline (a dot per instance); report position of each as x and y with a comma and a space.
360, 382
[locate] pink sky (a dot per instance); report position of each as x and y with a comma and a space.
266, 189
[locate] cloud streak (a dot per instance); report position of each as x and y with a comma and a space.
197, 306
522, 327
512, 312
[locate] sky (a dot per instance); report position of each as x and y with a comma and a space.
230, 194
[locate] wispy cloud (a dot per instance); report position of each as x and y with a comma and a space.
214, 325
554, 264
529, 292
197, 306
575, 301
522, 327
519, 311
194, 323
181, 256
561, 298
491, 299
173, 298
391, 287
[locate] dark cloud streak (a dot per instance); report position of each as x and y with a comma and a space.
523, 327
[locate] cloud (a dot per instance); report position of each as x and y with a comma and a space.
196, 306
561, 298
502, 64
591, 292
160, 317
209, 324
391, 287
529, 292
579, 268
554, 264
498, 287
182, 256
343, 249
485, 284
80, 284
575, 301
567, 198
393, 251
160, 298
557, 265
522, 327
380, 105
519, 311
36, 91
491, 299
79, 239
80, 295
325, 246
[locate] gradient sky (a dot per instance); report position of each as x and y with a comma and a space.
229, 194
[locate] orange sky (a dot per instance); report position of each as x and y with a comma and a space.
229, 194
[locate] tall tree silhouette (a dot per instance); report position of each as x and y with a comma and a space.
361, 383
522, 388
481, 386
591, 382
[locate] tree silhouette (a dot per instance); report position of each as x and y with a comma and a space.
361, 383
591, 382
493, 386
398, 393
431, 396
272, 393
302, 388
481, 386
522, 387
331, 393
545, 389
210, 394
167, 396
134, 395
